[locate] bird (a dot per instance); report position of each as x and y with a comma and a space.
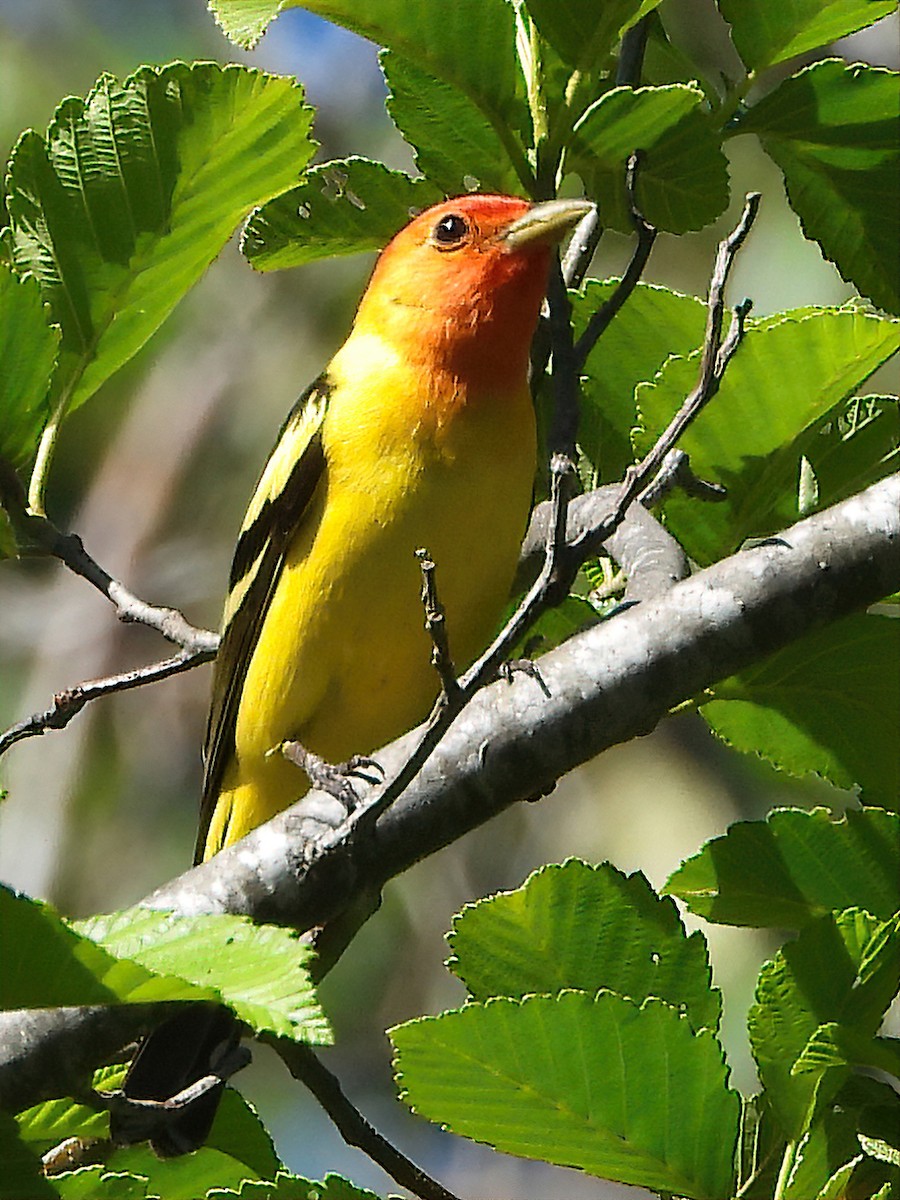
420, 433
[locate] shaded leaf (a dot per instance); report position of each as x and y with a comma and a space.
828, 703
586, 32
653, 324
834, 1045
834, 130
28, 349
455, 145
625, 1092
771, 31
22, 1177
794, 867
47, 963
843, 968
133, 193
342, 207
294, 1187
791, 372
257, 970
682, 182
583, 927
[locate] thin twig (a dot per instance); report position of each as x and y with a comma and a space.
631, 55
353, 1127
676, 472
69, 703
582, 245
564, 430
436, 626
646, 236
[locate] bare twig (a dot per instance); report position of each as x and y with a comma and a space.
353, 1127
69, 703
631, 55
436, 626
564, 430
676, 472
646, 237
583, 243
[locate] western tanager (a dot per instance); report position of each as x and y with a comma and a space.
419, 433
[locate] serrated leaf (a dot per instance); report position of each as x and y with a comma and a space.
877, 1148
834, 130
585, 32
654, 323
286, 1186
133, 193
28, 350
625, 1092
99, 1183
469, 44
55, 1120
46, 963
238, 1148
834, 1045
258, 970
583, 927
456, 147
346, 206
863, 1105
792, 372
794, 867
827, 704
843, 968
682, 181
22, 1177
771, 31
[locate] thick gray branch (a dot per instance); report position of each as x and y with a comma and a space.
607, 685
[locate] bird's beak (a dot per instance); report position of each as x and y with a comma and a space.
547, 222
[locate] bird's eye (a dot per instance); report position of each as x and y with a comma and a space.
449, 231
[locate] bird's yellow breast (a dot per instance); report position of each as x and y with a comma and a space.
342, 663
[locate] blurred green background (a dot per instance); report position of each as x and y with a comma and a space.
155, 473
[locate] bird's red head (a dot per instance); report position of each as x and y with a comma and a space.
462, 283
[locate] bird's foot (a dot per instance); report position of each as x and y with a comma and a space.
334, 778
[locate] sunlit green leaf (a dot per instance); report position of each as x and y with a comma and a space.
343, 207
28, 349
828, 703
583, 927
623, 1091
834, 129
790, 373
286, 1186
769, 31
135, 190
258, 970
793, 867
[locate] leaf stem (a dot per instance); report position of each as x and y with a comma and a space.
784, 1174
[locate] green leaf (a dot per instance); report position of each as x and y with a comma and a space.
455, 145
794, 867
863, 1106
583, 927
834, 130
257, 970
99, 1183
46, 963
770, 31
238, 1148
625, 1092
654, 323
135, 191
294, 1187
790, 373
469, 44
52, 1122
876, 1148
22, 1177
843, 968
28, 349
342, 207
828, 703
682, 181
585, 32
834, 1045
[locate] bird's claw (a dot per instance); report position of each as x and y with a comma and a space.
334, 778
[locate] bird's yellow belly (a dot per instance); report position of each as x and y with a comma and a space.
343, 660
